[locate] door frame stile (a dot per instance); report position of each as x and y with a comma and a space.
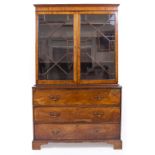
77, 48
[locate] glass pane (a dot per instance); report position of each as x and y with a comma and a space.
55, 47
97, 47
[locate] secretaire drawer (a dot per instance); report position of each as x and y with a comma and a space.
67, 97
77, 131
76, 115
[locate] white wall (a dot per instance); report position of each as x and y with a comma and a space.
136, 75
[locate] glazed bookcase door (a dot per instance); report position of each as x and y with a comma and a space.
98, 48
55, 48
76, 47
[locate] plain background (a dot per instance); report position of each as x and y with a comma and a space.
136, 75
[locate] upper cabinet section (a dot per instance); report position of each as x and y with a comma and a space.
76, 44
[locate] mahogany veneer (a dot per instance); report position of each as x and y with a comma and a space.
61, 97
76, 114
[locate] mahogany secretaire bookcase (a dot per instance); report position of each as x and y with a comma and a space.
76, 97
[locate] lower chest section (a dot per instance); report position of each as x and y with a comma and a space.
76, 114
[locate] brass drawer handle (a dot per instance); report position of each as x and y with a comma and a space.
54, 98
54, 114
98, 98
98, 114
55, 132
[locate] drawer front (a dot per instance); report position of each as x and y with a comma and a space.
68, 97
77, 131
76, 115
